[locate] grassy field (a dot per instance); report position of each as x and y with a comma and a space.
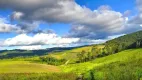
126, 65
124, 57
8, 66
24, 69
38, 76
70, 55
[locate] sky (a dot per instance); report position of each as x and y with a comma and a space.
41, 24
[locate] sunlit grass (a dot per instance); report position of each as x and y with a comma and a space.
8, 66
124, 57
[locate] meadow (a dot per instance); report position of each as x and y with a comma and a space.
125, 65
24, 69
7, 66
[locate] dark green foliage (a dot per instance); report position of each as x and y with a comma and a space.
87, 56
133, 40
82, 56
52, 61
129, 41
89, 75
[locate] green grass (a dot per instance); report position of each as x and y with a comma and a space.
123, 57
70, 55
38, 76
125, 65
11, 66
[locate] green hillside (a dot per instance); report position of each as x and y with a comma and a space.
126, 65
11, 66
133, 40
6, 54
69, 55
88, 53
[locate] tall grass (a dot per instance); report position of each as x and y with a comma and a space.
125, 65
128, 69
38, 76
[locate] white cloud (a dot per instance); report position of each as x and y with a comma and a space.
38, 47
42, 41
103, 19
22, 27
139, 5
5, 27
88, 26
38, 39
137, 19
16, 15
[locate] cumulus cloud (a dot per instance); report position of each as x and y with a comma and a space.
5, 27
139, 5
31, 47
87, 26
49, 31
16, 15
137, 19
22, 27
135, 22
127, 13
42, 41
28, 27
38, 39
103, 19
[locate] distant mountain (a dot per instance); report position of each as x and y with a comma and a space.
25, 53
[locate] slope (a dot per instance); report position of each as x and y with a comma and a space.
126, 64
12, 66
129, 41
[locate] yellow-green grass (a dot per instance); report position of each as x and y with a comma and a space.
123, 57
70, 55
11, 66
32, 58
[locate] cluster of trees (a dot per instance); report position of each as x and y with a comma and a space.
129, 41
84, 56
52, 60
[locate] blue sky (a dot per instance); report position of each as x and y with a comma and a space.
72, 22
117, 5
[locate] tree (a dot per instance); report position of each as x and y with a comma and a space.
82, 56
89, 55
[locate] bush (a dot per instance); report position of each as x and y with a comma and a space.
52, 61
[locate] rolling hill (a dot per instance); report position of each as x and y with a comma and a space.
130, 41
125, 65
117, 59
27, 53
